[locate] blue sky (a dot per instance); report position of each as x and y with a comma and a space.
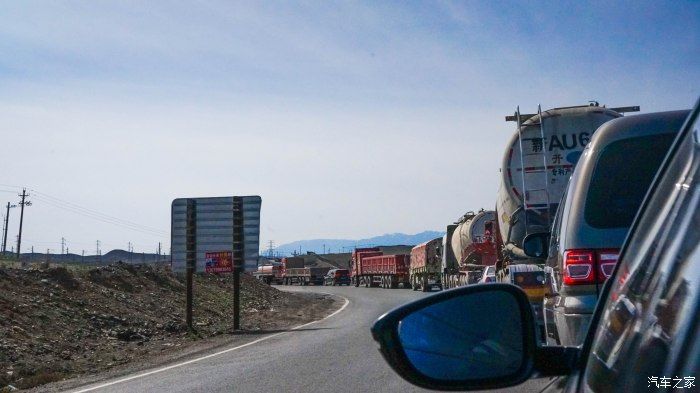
350, 119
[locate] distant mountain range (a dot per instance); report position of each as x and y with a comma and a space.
346, 245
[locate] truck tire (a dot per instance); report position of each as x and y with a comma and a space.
393, 283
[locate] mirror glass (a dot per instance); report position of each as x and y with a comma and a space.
535, 245
474, 336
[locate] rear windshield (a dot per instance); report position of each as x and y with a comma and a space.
621, 178
529, 279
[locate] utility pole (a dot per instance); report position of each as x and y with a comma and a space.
270, 249
97, 252
63, 245
6, 226
129, 250
83, 258
23, 203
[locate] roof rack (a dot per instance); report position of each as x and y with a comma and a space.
620, 109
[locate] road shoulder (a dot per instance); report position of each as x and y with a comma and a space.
316, 307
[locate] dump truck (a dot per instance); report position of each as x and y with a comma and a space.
305, 275
356, 263
288, 264
425, 270
386, 271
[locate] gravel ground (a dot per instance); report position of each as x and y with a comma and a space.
57, 323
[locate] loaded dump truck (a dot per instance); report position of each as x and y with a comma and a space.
473, 246
289, 269
356, 275
387, 271
538, 161
426, 265
305, 275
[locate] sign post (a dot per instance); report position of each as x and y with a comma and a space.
191, 256
215, 235
238, 259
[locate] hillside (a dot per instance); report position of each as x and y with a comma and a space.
347, 245
57, 323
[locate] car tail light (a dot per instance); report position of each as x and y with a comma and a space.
578, 267
606, 263
583, 267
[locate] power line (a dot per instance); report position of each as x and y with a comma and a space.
132, 227
85, 212
97, 213
94, 214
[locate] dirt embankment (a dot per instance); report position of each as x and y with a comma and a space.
57, 323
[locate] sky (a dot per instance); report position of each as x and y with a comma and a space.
350, 119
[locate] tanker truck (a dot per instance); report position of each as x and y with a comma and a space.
450, 267
538, 161
473, 246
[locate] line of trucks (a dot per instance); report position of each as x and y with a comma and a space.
291, 271
538, 160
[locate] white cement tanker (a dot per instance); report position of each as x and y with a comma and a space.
538, 161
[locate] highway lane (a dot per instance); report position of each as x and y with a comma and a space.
336, 354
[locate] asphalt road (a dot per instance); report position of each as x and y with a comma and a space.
336, 354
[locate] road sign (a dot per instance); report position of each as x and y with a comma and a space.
219, 262
215, 225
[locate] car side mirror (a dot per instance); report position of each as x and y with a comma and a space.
456, 340
536, 245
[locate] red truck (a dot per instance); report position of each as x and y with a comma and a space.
387, 271
288, 264
358, 255
426, 265
294, 272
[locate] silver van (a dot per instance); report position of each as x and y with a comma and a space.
601, 200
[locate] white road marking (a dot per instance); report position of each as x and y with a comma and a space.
172, 366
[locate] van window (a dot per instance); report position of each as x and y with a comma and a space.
622, 177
